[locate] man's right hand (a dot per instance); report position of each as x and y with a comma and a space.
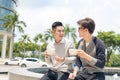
72, 75
47, 54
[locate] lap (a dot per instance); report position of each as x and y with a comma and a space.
87, 76
55, 75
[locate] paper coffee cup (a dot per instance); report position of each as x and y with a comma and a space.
73, 51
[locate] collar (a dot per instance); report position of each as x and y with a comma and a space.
61, 42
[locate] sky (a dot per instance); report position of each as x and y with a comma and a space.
40, 14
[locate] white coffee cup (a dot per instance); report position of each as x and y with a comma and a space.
73, 51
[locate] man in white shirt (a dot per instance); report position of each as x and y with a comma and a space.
57, 54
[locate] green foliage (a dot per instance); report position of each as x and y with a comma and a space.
35, 56
112, 42
21, 46
11, 22
48, 35
118, 42
70, 32
107, 37
114, 60
18, 55
42, 57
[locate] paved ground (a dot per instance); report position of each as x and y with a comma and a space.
4, 69
3, 77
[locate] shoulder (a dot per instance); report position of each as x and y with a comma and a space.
81, 40
98, 42
50, 44
69, 43
67, 40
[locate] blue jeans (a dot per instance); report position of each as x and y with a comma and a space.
93, 76
55, 75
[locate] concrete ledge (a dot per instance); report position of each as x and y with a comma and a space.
23, 74
112, 70
37, 73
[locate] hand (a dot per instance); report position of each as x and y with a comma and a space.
59, 59
81, 53
72, 76
47, 54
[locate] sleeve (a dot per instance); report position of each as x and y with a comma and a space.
100, 59
70, 59
100, 55
48, 59
77, 64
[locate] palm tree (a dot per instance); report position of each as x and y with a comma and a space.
25, 38
67, 31
48, 35
73, 35
9, 9
70, 32
15, 1
38, 37
12, 22
41, 40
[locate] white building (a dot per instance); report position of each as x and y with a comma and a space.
6, 38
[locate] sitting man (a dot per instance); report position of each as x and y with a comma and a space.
57, 54
91, 56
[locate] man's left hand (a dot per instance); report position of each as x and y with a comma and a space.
59, 59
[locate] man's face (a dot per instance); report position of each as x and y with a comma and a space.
58, 33
82, 31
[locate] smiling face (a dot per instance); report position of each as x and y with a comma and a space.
58, 33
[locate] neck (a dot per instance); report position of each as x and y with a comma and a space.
57, 41
88, 38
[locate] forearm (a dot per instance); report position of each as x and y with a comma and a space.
76, 69
91, 59
70, 60
86, 56
99, 61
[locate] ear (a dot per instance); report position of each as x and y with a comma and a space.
86, 29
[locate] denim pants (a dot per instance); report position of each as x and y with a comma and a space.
55, 75
93, 76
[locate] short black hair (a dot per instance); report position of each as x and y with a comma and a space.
87, 23
55, 24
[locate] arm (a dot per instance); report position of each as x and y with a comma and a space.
69, 60
48, 59
76, 68
100, 58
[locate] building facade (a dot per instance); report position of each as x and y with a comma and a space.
6, 38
